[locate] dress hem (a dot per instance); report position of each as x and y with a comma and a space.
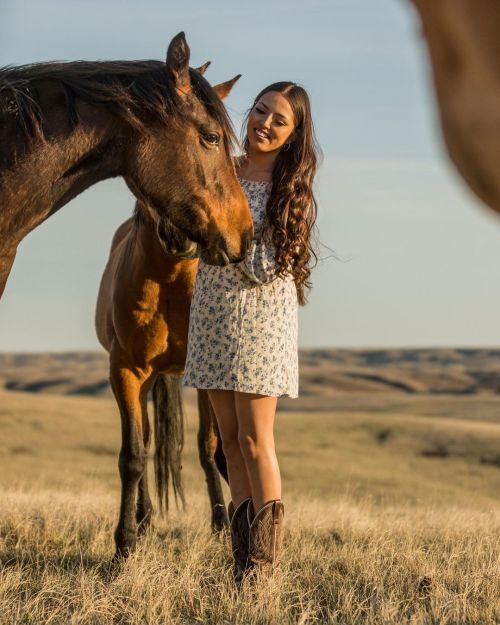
240, 389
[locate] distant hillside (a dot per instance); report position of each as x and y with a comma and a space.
324, 373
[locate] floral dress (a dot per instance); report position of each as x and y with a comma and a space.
243, 325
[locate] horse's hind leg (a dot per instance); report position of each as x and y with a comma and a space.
207, 445
144, 511
132, 462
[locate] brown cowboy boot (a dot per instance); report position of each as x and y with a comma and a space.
264, 549
239, 537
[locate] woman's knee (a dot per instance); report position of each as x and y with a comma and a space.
251, 447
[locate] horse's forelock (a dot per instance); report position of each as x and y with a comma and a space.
215, 108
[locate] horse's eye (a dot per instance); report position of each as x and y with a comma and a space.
211, 137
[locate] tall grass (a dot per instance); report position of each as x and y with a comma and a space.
392, 517
343, 562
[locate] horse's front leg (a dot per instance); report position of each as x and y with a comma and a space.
144, 511
132, 461
207, 445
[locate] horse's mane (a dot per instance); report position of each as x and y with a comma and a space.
130, 89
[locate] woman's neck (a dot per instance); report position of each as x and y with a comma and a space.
257, 165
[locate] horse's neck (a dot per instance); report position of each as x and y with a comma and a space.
147, 249
50, 174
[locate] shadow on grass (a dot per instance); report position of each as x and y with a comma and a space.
106, 568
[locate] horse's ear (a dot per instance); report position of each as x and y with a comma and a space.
178, 63
223, 89
203, 68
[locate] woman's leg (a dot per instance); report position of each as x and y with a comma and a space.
255, 414
225, 411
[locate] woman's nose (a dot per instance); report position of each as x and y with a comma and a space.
266, 122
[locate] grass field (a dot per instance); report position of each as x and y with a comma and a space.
392, 515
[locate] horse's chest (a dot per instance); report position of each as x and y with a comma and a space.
154, 324
147, 306
161, 308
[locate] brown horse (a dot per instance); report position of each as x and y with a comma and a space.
464, 45
142, 319
66, 126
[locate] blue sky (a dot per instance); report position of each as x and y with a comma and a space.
416, 249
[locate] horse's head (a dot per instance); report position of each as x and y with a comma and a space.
180, 165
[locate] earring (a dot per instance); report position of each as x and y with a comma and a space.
286, 147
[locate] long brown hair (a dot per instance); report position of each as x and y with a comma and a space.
292, 208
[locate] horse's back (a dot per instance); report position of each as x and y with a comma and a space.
120, 234
103, 315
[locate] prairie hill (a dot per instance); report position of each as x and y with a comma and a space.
324, 373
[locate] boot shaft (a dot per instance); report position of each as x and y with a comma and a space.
239, 530
265, 540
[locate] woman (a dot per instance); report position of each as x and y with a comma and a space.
242, 343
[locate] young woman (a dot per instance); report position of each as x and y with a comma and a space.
242, 342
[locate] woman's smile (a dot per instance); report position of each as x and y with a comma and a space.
262, 135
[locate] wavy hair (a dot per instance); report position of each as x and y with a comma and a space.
292, 208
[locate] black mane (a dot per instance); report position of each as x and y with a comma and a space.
130, 89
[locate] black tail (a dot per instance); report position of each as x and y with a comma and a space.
169, 438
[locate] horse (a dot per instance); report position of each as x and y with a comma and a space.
160, 125
464, 46
142, 319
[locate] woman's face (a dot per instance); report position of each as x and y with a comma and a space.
270, 123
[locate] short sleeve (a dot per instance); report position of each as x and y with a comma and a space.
259, 265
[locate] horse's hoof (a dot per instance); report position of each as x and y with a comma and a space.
120, 555
220, 520
123, 550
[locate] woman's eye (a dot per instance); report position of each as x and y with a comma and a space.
211, 137
259, 110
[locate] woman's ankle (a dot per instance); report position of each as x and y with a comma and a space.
240, 499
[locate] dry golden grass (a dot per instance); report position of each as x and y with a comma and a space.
391, 516
342, 563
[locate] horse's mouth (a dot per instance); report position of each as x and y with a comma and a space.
175, 242
212, 256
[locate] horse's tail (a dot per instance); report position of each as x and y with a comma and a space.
169, 437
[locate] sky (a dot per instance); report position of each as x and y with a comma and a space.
408, 253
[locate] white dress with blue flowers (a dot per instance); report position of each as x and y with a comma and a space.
243, 325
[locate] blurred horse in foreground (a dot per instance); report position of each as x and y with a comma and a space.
463, 38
